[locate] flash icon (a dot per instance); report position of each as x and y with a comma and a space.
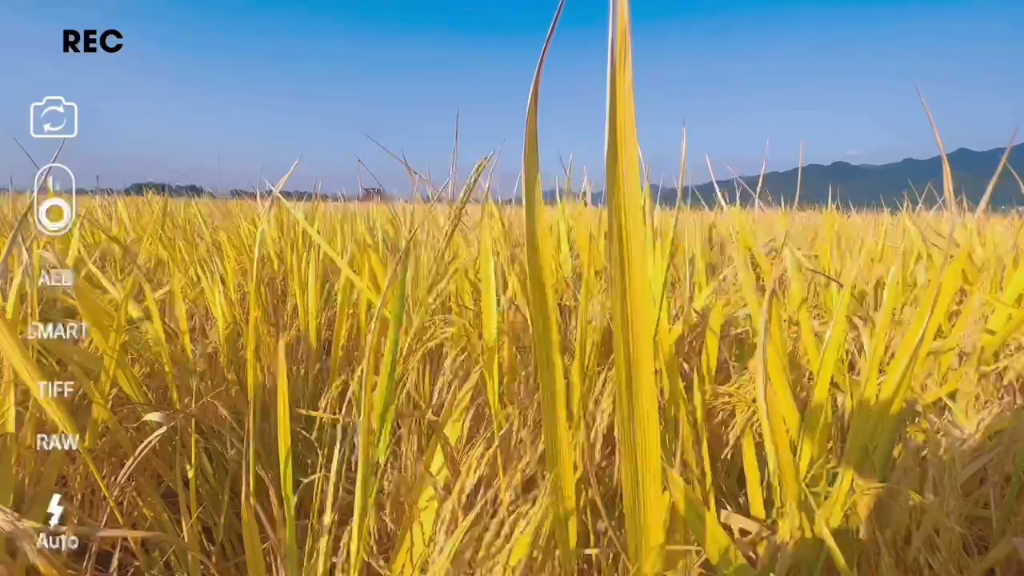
55, 510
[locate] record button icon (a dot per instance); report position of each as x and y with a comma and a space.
54, 199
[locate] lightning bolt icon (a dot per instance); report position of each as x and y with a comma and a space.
55, 510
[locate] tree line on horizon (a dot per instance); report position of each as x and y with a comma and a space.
842, 183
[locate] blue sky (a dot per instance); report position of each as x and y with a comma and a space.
214, 95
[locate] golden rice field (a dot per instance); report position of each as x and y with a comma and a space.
467, 388
260, 390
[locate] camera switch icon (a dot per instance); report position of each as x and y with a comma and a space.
53, 117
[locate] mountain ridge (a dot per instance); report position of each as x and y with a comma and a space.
869, 185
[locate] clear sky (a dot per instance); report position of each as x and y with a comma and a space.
214, 92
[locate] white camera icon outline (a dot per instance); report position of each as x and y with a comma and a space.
53, 104
68, 211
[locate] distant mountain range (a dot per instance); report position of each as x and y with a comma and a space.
868, 185
862, 185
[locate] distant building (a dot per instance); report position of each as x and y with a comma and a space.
374, 195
